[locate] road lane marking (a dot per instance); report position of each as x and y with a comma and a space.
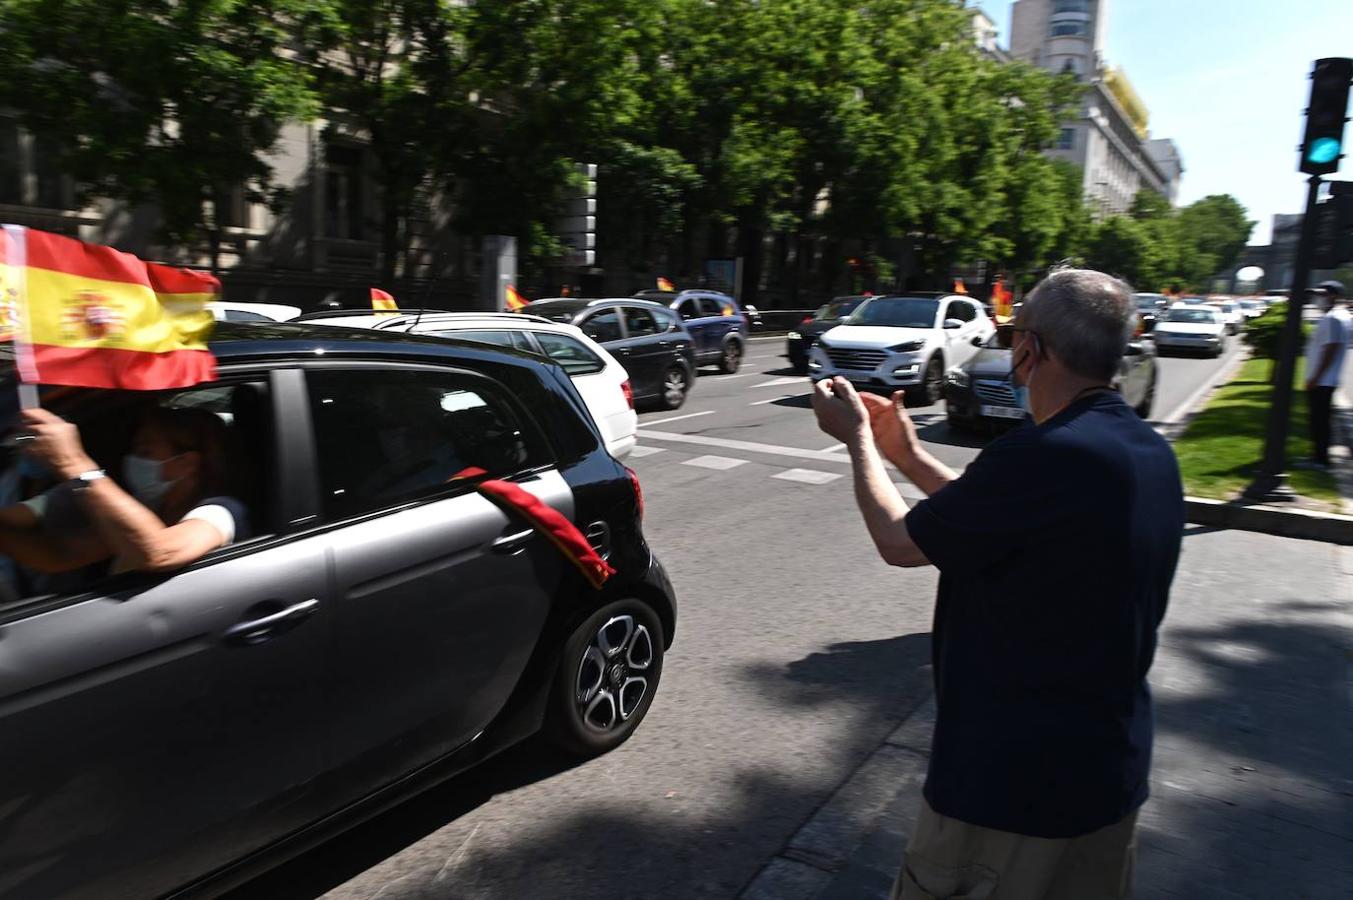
677, 418
747, 446
714, 462
776, 399
731, 377
808, 476
1225, 372
777, 382
833, 448
641, 450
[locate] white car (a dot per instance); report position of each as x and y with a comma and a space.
1231, 315
228, 311
1253, 307
1191, 327
602, 382
903, 341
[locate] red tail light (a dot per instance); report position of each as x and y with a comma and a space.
806, 321
638, 491
629, 394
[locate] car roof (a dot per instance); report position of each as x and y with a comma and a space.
393, 320
576, 304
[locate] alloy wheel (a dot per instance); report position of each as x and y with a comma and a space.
674, 387
613, 675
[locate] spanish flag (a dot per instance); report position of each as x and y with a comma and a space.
515, 301
90, 316
665, 285
382, 300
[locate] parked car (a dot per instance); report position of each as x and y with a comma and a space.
385, 627
1253, 307
1150, 307
229, 311
603, 382
1192, 328
753, 318
802, 337
979, 392
892, 342
647, 338
1231, 315
718, 327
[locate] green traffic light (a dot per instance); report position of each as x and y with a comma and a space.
1323, 150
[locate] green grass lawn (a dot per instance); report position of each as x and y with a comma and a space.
1222, 448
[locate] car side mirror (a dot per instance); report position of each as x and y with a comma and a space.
953, 323
1134, 348
977, 342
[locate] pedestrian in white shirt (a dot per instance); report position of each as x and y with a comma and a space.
1325, 364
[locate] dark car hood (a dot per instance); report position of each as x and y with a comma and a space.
990, 362
816, 328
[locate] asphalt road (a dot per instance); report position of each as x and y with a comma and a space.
797, 652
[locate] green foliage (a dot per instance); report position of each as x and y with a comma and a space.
1264, 334
162, 103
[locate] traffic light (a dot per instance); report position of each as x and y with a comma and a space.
1323, 146
1333, 244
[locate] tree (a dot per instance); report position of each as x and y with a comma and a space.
1213, 233
1122, 247
173, 104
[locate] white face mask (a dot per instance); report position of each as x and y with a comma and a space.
144, 479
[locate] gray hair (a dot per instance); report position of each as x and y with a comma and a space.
1085, 317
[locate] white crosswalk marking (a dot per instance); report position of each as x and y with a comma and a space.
639, 451
714, 462
777, 382
807, 476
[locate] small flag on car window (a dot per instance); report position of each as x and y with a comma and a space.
515, 301
381, 300
665, 285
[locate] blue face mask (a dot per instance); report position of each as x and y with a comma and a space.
1022, 397
33, 469
1021, 390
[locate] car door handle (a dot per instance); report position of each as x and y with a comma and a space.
511, 542
256, 631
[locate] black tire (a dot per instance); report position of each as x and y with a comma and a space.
576, 720
676, 384
800, 368
1143, 409
957, 423
932, 383
730, 358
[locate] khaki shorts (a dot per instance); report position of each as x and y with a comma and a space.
952, 860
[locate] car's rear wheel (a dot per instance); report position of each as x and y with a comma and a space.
957, 423
606, 679
1148, 401
676, 381
730, 360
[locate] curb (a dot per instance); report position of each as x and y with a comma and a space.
1174, 427
1293, 523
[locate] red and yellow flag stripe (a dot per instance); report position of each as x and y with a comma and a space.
91, 316
383, 300
515, 301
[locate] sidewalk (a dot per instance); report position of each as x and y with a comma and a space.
1252, 782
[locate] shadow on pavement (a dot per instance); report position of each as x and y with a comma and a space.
355, 851
1251, 779
650, 847
939, 432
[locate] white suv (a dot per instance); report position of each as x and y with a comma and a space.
901, 341
602, 382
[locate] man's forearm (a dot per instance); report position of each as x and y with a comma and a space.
883, 508
923, 470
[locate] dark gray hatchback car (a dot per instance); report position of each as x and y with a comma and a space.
382, 627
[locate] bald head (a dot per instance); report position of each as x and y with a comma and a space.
1083, 317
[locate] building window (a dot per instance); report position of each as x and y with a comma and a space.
343, 193
1071, 6
1067, 139
1065, 29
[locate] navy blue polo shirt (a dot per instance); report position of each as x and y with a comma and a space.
1056, 549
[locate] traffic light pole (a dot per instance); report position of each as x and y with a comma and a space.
1271, 482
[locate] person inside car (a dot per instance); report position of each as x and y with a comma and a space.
172, 508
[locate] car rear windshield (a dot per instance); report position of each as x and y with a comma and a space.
1148, 301
838, 309
897, 312
1193, 316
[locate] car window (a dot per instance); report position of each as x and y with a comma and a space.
640, 322
570, 353
514, 339
245, 315
897, 312
667, 319
602, 326
964, 312
726, 307
1194, 316
688, 308
228, 424
710, 306
385, 437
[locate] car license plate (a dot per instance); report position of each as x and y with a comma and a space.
1002, 412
